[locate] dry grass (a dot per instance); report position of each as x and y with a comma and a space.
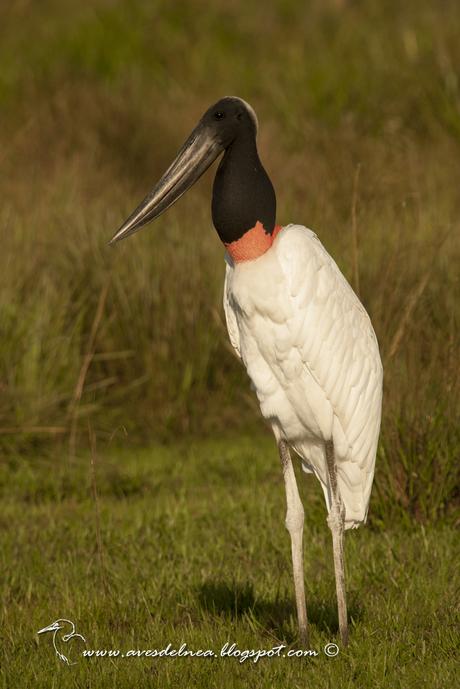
94, 103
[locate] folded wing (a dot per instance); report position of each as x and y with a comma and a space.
334, 338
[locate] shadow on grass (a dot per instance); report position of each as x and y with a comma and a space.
238, 600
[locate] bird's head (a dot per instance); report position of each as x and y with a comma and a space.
221, 125
228, 119
56, 625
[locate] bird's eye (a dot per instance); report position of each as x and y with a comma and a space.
219, 115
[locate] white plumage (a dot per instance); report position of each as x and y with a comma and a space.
311, 353
303, 335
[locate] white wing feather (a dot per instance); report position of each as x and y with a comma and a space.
230, 317
311, 352
338, 347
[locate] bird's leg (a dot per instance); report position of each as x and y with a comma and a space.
336, 520
294, 524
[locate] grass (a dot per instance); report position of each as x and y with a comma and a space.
96, 100
186, 543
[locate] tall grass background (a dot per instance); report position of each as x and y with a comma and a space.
359, 111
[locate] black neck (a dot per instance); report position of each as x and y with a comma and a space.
242, 193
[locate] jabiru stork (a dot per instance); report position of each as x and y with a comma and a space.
294, 321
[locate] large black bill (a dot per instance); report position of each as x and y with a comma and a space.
196, 155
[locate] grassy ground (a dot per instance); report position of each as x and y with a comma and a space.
187, 544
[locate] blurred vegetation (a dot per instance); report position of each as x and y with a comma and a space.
359, 110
